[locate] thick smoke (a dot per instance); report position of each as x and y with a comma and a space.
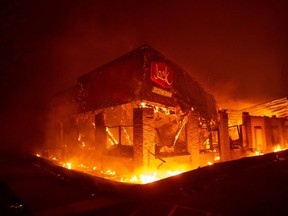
237, 50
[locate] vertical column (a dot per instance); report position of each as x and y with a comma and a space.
281, 122
286, 132
193, 139
268, 133
247, 134
138, 137
100, 137
225, 150
100, 133
143, 138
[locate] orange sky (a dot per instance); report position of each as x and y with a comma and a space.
237, 49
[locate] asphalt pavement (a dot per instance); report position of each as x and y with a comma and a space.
249, 186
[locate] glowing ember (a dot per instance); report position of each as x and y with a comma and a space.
210, 163
173, 173
147, 179
143, 105
129, 179
108, 172
68, 165
139, 178
79, 137
258, 153
278, 148
157, 108
82, 166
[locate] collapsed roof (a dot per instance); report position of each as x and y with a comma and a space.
129, 78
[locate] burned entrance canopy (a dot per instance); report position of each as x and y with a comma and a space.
135, 107
129, 78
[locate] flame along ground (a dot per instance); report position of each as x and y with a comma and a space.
140, 177
276, 148
135, 178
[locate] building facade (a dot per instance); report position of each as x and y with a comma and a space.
142, 112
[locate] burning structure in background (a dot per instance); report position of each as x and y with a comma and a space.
262, 128
142, 116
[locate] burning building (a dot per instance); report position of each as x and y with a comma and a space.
259, 129
138, 112
142, 113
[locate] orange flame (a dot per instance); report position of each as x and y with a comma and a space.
278, 148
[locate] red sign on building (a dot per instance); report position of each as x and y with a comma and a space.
161, 74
